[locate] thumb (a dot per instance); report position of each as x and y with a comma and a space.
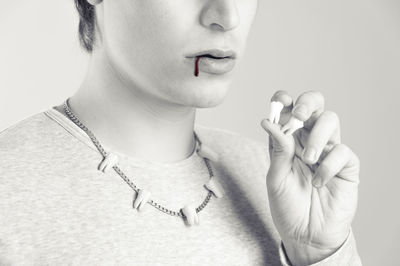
281, 152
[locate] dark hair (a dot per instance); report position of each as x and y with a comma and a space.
87, 24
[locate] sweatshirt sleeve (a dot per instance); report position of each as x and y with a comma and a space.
346, 255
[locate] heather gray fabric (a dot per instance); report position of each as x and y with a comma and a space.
56, 208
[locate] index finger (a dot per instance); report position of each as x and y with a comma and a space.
283, 97
308, 107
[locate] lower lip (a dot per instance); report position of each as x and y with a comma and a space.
215, 66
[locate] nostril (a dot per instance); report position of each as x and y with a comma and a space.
217, 26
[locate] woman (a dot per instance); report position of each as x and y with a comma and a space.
119, 173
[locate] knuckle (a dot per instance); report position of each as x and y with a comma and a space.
353, 159
332, 116
317, 94
319, 97
357, 160
326, 150
342, 149
312, 97
347, 152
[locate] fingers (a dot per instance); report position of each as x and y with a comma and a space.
282, 148
322, 144
292, 125
341, 161
283, 97
326, 130
308, 107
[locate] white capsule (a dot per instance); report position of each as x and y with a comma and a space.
275, 111
292, 125
141, 199
206, 152
108, 162
192, 216
215, 187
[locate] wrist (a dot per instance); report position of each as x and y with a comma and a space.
302, 254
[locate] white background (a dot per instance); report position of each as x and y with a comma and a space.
349, 50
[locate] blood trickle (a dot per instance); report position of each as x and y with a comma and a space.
196, 67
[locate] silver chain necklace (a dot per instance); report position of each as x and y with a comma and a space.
188, 212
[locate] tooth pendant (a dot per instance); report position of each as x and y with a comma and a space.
141, 199
275, 112
108, 162
215, 187
206, 152
292, 125
192, 217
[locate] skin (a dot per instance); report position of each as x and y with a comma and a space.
312, 200
139, 97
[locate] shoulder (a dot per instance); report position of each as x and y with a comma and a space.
29, 142
21, 133
26, 133
19, 148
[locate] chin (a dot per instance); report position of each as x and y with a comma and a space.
207, 103
211, 96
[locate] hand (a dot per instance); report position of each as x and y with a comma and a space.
312, 220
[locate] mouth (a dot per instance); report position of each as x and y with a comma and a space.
215, 54
213, 61
213, 57
212, 65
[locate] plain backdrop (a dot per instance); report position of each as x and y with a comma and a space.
348, 50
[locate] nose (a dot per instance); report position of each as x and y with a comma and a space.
220, 15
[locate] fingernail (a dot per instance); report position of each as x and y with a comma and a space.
301, 110
263, 121
264, 125
309, 154
268, 132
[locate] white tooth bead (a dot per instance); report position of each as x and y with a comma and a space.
275, 111
292, 125
108, 162
141, 199
215, 187
192, 216
206, 152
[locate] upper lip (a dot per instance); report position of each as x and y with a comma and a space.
216, 53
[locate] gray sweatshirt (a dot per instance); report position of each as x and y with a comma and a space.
57, 208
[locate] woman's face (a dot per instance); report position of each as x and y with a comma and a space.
148, 42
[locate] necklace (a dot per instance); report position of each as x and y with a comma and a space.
110, 160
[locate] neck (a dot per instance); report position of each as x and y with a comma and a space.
126, 118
